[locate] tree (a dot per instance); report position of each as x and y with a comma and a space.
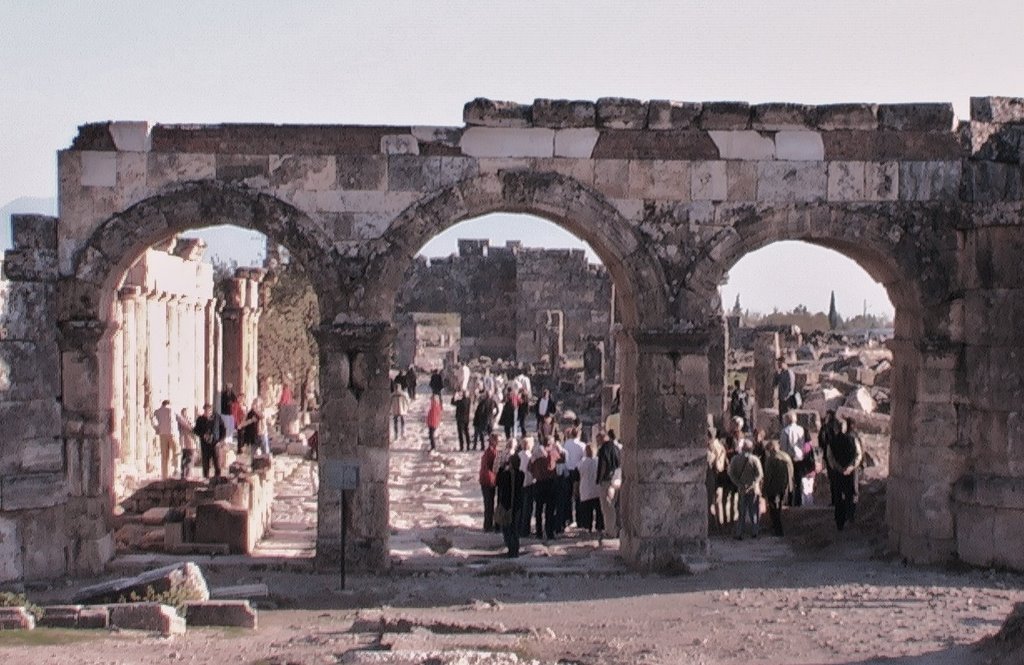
833, 315
736, 309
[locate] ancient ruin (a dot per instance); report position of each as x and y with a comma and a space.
668, 194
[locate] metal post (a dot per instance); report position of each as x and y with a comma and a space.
344, 529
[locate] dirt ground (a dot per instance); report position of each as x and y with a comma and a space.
816, 596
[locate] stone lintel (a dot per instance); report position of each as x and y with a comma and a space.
669, 341
257, 139
562, 113
856, 145
1000, 110
916, 117
678, 144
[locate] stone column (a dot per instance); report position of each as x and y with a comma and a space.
240, 319
211, 346
354, 363
129, 384
198, 355
140, 434
717, 359
664, 398
766, 352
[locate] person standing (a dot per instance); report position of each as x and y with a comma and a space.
433, 419
791, 441
436, 382
399, 408
510, 496
188, 443
608, 463
714, 479
228, 397
483, 419
525, 456
522, 409
210, 431
507, 419
741, 405
845, 456
164, 424
746, 473
488, 479
785, 381
543, 467
575, 451
410, 383
830, 432
778, 482
545, 407
461, 403
588, 515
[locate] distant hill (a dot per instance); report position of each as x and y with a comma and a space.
24, 204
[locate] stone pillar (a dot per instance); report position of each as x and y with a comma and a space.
761, 379
354, 363
126, 357
240, 319
718, 395
664, 399
140, 433
199, 323
211, 356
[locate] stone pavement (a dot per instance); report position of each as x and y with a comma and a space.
292, 531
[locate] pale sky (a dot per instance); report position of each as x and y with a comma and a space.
415, 62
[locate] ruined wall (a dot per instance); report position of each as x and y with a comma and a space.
425, 340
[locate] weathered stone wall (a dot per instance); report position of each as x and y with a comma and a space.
426, 339
670, 195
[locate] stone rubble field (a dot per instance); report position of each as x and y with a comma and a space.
451, 597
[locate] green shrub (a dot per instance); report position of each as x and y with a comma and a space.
176, 597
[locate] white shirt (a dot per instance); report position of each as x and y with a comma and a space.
589, 488
464, 371
791, 440
542, 406
524, 465
575, 451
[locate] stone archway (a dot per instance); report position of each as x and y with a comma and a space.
87, 323
915, 270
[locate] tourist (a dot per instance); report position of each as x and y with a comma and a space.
525, 456
608, 463
410, 383
461, 403
483, 419
436, 382
746, 473
588, 515
464, 375
210, 431
742, 405
778, 482
433, 419
262, 438
785, 381
188, 443
845, 454
522, 409
831, 430
399, 408
544, 407
488, 382
791, 442
543, 466
247, 430
227, 400
808, 469
546, 427
510, 497
237, 418
575, 451
488, 479
163, 423
715, 478
507, 419
734, 441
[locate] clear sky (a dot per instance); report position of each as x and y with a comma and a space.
400, 62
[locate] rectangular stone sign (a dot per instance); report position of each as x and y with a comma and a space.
341, 474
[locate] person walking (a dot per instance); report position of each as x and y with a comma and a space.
510, 497
410, 383
188, 443
164, 424
830, 432
433, 419
608, 463
483, 419
488, 479
545, 406
522, 409
461, 403
525, 456
715, 477
742, 405
436, 382
210, 431
747, 474
845, 456
543, 467
785, 381
791, 442
778, 482
399, 409
507, 419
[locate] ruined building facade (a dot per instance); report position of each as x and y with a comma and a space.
505, 297
670, 195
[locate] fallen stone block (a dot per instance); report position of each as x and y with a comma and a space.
259, 590
60, 616
186, 576
860, 400
155, 516
152, 617
16, 618
206, 549
220, 522
867, 423
95, 617
237, 613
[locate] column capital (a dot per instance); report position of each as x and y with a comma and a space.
129, 292
355, 335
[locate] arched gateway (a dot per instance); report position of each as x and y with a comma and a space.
670, 195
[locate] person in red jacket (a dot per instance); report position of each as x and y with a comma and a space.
433, 418
488, 480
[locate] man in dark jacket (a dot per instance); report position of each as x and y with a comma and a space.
608, 462
436, 382
831, 431
844, 455
778, 481
210, 431
461, 403
544, 407
483, 419
510, 498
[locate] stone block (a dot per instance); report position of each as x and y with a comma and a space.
776, 116
32, 490
94, 617
916, 117
16, 618
26, 304
490, 113
621, 113
791, 182
748, 145
30, 265
799, 146
991, 182
241, 168
60, 616
1009, 110
889, 145
868, 423
163, 169
130, 136
495, 142
673, 145
576, 143
561, 113
234, 613
846, 181
664, 114
155, 516
929, 181
881, 181
655, 179
94, 554
709, 181
180, 575
220, 522
306, 172
399, 144
831, 117
11, 567
99, 169
33, 231
152, 617
741, 181
725, 115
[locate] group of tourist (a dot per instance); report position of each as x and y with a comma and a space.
747, 477
213, 431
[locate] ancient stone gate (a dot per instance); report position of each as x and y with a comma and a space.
670, 195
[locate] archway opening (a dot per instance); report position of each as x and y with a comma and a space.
217, 316
829, 314
514, 307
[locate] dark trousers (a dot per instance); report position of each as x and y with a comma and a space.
510, 532
846, 499
832, 483
796, 497
589, 515
399, 423
508, 430
522, 425
209, 452
544, 507
464, 441
187, 455
527, 511
488, 493
775, 512
430, 434
564, 514
480, 437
